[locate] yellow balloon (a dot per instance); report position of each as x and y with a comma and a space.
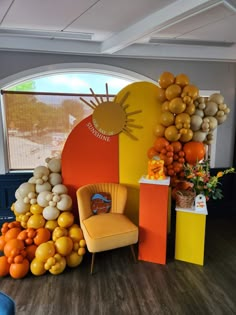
177, 105
36, 209
64, 245
172, 133
44, 251
51, 225
73, 259
65, 219
37, 267
173, 91
59, 267
167, 119
187, 136
75, 233
159, 130
166, 79
36, 221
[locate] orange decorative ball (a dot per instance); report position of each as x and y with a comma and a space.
194, 151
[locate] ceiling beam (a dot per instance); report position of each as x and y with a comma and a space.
175, 12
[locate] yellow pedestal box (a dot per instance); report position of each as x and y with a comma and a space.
190, 235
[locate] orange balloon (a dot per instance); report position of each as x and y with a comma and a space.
4, 266
194, 151
166, 79
18, 271
173, 90
12, 233
42, 235
160, 143
151, 153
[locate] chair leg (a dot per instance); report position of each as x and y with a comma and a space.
133, 253
92, 263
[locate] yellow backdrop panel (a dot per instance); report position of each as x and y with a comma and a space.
133, 160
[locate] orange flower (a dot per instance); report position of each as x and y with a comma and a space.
219, 174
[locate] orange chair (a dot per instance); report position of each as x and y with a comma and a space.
107, 230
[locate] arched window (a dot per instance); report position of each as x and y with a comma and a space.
40, 110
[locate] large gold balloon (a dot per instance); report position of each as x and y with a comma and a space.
167, 119
159, 130
172, 133
173, 90
182, 79
166, 79
177, 106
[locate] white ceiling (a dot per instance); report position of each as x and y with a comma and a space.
182, 29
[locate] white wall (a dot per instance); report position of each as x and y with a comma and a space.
205, 75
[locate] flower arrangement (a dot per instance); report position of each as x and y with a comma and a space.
202, 182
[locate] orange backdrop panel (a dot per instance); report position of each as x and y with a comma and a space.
153, 223
88, 157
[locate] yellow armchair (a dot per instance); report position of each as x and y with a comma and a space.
108, 230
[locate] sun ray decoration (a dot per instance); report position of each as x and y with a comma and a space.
111, 118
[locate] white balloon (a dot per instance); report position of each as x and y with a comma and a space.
45, 186
21, 207
25, 189
50, 213
60, 189
65, 203
41, 199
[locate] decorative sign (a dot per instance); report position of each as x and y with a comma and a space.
110, 118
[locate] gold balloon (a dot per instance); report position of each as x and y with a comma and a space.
161, 97
166, 79
186, 137
173, 90
165, 106
172, 133
190, 109
159, 130
191, 90
183, 119
182, 79
167, 119
177, 105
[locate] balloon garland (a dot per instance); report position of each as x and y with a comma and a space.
44, 236
186, 125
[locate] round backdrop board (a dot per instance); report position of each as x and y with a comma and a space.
112, 144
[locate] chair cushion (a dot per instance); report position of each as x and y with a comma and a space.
101, 203
7, 305
109, 231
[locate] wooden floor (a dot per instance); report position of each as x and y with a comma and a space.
120, 287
